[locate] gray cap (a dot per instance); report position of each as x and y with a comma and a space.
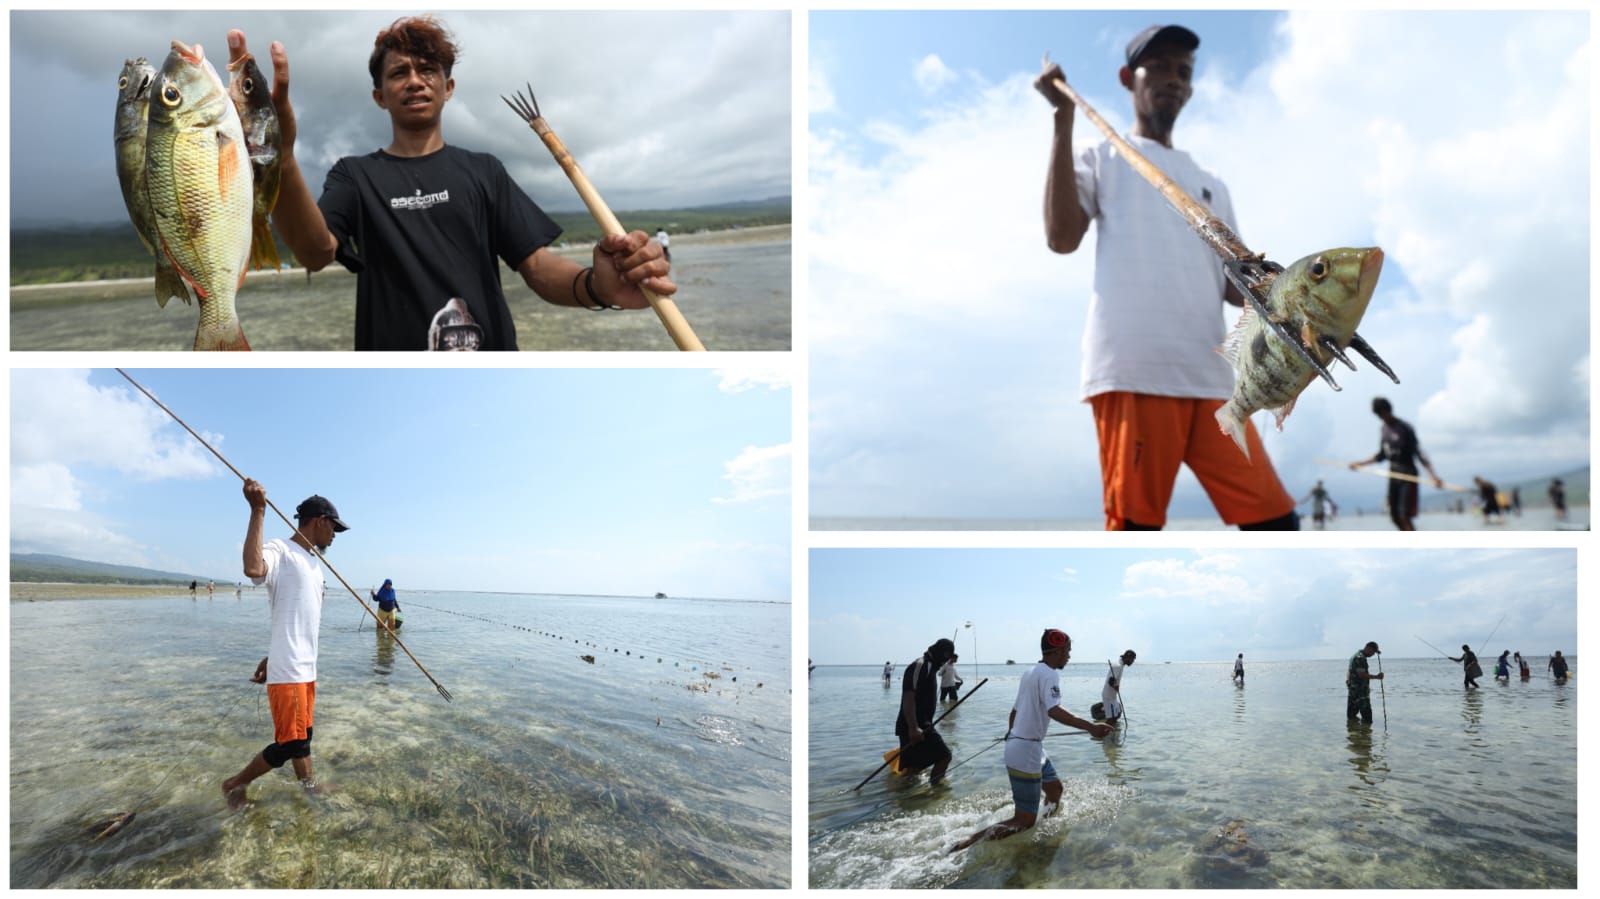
1175, 33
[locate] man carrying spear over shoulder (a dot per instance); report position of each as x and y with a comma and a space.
422, 223
295, 587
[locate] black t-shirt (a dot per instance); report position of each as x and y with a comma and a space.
922, 681
1398, 444
422, 236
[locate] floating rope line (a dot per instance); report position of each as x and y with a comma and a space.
711, 668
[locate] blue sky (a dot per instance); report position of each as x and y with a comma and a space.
661, 108
589, 481
872, 605
945, 338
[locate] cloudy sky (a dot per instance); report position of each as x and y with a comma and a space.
593, 481
661, 109
945, 337
872, 605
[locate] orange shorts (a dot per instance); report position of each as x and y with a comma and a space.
1143, 440
291, 710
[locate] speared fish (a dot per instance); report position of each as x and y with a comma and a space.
1252, 273
252, 99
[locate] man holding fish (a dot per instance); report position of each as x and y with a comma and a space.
423, 224
1151, 370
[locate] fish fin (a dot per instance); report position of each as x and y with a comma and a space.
1233, 425
1283, 411
170, 284
221, 336
263, 249
1235, 339
227, 164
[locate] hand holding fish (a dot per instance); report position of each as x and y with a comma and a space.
237, 52
623, 262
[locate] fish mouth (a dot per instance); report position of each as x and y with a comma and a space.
193, 57
1371, 267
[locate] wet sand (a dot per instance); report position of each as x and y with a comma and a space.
734, 288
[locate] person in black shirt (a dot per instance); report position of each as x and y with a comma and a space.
422, 223
920, 744
1398, 444
1470, 669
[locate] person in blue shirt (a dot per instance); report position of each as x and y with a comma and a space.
387, 603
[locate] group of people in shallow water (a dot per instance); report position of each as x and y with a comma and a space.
1358, 706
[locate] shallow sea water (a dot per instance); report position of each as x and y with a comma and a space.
1534, 519
545, 771
1448, 788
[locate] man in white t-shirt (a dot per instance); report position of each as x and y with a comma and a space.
1111, 692
1238, 669
295, 585
1038, 701
1151, 370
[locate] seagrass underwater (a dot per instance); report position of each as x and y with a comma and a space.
664, 763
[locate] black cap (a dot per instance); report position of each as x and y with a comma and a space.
1373, 646
318, 507
1175, 33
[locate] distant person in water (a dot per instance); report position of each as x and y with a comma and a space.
1522, 666
1319, 498
1238, 669
193, 586
1558, 667
1489, 498
1027, 764
1397, 443
1111, 691
1358, 689
388, 604
1502, 666
949, 681
1470, 668
1558, 499
888, 672
920, 744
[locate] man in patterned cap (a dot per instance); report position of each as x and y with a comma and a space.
1038, 701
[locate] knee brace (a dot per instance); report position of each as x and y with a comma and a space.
278, 753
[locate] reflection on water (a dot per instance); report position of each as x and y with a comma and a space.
1206, 788
546, 771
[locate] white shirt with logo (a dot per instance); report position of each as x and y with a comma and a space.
295, 587
1157, 316
1039, 692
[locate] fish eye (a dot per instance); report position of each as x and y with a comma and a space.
1318, 269
249, 85
170, 95
122, 83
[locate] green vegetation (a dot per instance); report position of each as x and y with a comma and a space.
105, 252
40, 568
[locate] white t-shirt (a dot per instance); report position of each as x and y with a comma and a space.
1111, 695
947, 675
294, 590
661, 238
1039, 692
1157, 314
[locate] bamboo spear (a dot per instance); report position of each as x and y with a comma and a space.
438, 686
895, 753
1397, 475
528, 108
1252, 273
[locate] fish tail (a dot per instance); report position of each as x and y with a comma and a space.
263, 249
170, 284
223, 335
1232, 424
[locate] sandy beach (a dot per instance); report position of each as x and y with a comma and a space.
46, 592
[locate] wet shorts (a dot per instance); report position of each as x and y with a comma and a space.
931, 751
291, 710
1026, 789
1143, 441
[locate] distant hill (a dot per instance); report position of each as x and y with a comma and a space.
44, 568
112, 250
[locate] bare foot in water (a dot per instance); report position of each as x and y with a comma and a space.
237, 800
316, 789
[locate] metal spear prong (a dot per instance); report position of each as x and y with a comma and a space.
1371, 355
1328, 344
527, 108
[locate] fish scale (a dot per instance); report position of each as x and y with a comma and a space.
199, 184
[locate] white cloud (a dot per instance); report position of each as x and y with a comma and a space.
758, 473
59, 419
745, 379
931, 74
944, 380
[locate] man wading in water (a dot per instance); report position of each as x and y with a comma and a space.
295, 587
1151, 371
1038, 701
1358, 703
920, 743
422, 223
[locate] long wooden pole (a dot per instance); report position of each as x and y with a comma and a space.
438, 686
1396, 475
677, 326
896, 753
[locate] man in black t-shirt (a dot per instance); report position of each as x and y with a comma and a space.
1397, 443
920, 744
424, 225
